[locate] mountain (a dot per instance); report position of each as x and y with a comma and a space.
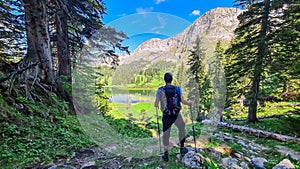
217, 24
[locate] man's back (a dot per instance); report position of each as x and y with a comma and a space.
169, 97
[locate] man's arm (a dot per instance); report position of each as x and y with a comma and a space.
186, 102
156, 102
183, 101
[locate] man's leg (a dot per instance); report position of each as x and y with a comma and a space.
167, 123
181, 127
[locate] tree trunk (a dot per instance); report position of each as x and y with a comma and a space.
38, 39
63, 53
262, 48
261, 117
63, 56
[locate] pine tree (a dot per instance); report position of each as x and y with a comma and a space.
12, 31
38, 38
251, 49
285, 37
218, 84
199, 86
265, 46
55, 31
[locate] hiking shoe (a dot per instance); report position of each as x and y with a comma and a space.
165, 157
183, 150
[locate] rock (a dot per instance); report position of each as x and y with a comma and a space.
65, 167
199, 150
285, 150
192, 160
242, 143
190, 139
218, 135
207, 122
247, 159
128, 159
113, 164
284, 164
53, 167
228, 138
227, 134
84, 153
230, 163
244, 165
258, 163
89, 165
217, 24
215, 154
238, 155
111, 148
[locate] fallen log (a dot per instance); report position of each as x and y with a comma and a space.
260, 133
255, 132
261, 117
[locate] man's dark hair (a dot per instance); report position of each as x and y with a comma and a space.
168, 77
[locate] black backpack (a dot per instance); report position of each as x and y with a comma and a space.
172, 100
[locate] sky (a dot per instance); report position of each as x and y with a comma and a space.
145, 19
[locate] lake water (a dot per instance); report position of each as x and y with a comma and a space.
130, 96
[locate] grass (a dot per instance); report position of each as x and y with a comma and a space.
48, 132
286, 125
35, 137
272, 109
136, 112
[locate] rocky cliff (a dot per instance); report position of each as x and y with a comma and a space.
217, 24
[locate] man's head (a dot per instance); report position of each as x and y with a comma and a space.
168, 78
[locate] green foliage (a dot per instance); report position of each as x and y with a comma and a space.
199, 86
101, 96
27, 139
65, 85
13, 46
127, 128
286, 125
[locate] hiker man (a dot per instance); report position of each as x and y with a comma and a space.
170, 97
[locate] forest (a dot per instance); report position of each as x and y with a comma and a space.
66, 102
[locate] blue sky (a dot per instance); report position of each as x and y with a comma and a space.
145, 19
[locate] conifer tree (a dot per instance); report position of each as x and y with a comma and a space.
218, 84
12, 31
251, 49
266, 47
199, 86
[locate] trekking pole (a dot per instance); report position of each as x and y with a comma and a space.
158, 130
193, 126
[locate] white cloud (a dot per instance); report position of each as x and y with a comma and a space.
195, 12
159, 1
162, 24
144, 10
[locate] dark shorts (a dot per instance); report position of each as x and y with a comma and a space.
168, 121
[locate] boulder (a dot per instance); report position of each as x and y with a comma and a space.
192, 160
244, 165
285, 150
258, 163
284, 164
230, 163
89, 165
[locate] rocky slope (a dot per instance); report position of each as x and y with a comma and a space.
217, 24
